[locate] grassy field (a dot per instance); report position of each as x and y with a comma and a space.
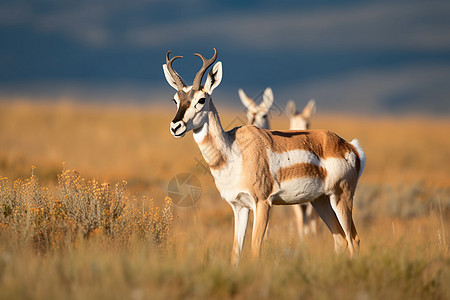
84, 212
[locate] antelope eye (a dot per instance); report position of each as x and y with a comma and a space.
201, 101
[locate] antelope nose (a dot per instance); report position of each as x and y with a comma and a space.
175, 127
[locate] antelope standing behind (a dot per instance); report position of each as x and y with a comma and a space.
255, 168
258, 115
305, 216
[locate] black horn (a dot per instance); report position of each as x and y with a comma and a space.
206, 64
178, 81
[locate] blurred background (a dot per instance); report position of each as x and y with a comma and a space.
365, 57
85, 112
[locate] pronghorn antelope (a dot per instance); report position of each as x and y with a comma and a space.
258, 115
305, 216
256, 168
300, 121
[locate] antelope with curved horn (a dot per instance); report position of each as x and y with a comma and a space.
258, 115
305, 216
254, 168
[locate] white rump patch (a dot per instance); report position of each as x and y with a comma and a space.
361, 154
337, 169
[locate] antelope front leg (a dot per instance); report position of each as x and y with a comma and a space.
259, 227
240, 227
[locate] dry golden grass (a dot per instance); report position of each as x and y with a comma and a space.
134, 143
75, 210
401, 210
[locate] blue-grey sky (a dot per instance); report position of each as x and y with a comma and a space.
358, 56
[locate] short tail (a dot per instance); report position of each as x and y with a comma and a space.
361, 154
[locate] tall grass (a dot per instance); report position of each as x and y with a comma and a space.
406, 262
65, 236
76, 209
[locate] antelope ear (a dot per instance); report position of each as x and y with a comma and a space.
267, 102
291, 109
214, 78
309, 109
169, 78
247, 101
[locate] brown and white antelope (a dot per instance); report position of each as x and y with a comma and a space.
255, 168
305, 216
258, 115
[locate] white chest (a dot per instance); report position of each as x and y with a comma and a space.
230, 181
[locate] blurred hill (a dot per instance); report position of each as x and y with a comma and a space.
351, 56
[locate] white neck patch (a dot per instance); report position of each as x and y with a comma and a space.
200, 135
